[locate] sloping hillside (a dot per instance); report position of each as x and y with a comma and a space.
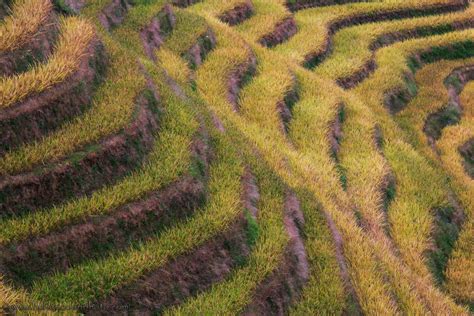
254, 157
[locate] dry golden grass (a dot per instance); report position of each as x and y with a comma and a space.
432, 96
98, 278
267, 14
298, 170
214, 8
351, 48
410, 213
73, 43
273, 151
8, 296
112, 108
27, 17
232, 295
385, 252
459, 272
313, 24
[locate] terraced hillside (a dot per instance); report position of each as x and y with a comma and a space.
255, 157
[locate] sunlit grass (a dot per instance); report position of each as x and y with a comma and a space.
169, 159
188, 28
410, 214
95, 279
459, 275
73, 43
297, 170
27, 18
214, 7
313, 24
267, 14
232, 295
432, 96
351, 48
385, 252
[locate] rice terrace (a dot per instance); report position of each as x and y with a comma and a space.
237, 157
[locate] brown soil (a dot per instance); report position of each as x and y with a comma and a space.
39, 114
462, 75
75, 5
238, 14
396, 100
83, 172
198, 52
114, 13
378, 136
335, 136
467, 152
388, 184
388, 187
37, 49
282, 288
295, 5
239, 77
353, 80
282, 32
218, 123
192, 272
452, 112
184, 3
447, 223
155, 32
285, 106
315, 58
250, 193
437, 121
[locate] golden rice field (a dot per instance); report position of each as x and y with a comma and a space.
237, 157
